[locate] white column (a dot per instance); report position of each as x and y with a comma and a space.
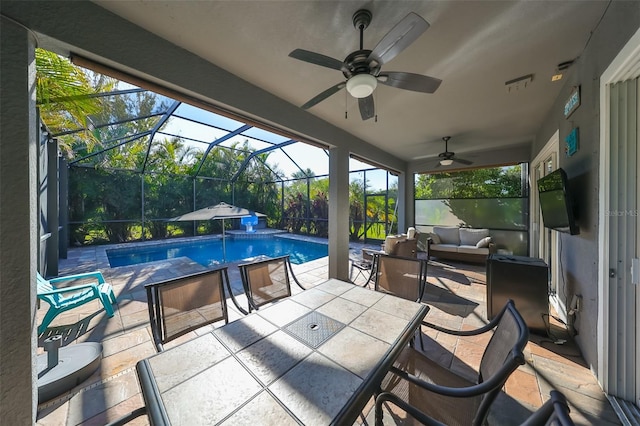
18, 219
339, 213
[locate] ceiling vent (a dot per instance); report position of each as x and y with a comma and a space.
519, 83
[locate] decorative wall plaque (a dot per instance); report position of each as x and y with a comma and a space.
573, 102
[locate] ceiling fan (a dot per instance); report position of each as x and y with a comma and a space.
362, 68
447, 158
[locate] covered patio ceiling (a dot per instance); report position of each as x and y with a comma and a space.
474, 47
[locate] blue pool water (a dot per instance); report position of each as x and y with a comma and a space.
209, 252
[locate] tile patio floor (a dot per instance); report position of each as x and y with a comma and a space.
456, 295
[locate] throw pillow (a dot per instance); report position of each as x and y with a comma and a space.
483, 242
434, 238
411, 233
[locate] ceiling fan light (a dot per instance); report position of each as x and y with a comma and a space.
446, 162
361, 85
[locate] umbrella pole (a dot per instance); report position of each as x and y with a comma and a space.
224, 247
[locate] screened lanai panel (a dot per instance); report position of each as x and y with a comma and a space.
356, 205
222, 163
259, 197
194, 114
319, 206
201, 135
125, 113
245, 143
492, 213
209, 192
122, 154
130, 104
123, 129
167, 196
299, 156
376, 181
104, 205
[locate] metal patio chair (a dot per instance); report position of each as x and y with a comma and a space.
425, 390
553, 412
404, 277
363, 267
265, 281
62, 299
180, 305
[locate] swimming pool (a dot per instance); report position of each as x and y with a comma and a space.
209, 252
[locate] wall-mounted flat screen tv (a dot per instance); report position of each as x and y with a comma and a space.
556, 203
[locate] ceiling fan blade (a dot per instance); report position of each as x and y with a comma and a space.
324, 95
410, 81
462, 161
399, 38
367, 107
316, 59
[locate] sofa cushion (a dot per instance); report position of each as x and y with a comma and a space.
448, 234
452, 248
483, 242
473, 250
470, 237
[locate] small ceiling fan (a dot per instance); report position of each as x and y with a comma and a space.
447, 158
362, 68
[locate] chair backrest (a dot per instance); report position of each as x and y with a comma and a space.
401, 276
405, 248
266, 280
503, 354
180, 305
44, 286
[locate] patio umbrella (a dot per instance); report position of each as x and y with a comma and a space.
220, 211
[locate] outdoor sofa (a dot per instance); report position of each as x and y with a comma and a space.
463, 244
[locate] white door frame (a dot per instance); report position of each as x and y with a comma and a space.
623, 67
551, 150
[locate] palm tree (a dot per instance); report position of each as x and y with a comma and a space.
63, 94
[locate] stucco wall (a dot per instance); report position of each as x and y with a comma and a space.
18, 387
580, 253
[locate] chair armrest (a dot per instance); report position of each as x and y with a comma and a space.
95, 274
497, 380
92, 286
487, 327
475, 332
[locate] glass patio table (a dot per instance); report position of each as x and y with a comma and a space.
315, 358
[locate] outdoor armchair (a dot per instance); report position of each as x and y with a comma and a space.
267, 280
61, 299
180, 305
553, 412
426, 390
